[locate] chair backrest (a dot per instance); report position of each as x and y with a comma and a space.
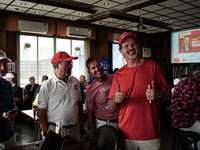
105, 138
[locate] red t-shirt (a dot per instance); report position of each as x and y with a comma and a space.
138, 119
97, 97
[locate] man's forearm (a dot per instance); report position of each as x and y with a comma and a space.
112, 104
92, 123
13, 106
166, 96
80, 113
42, 113
17, 100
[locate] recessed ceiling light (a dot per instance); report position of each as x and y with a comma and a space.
80, 14
37, 12
133, 24
110, 19
160, 18
23, 3
137, 12
170, 21
76, 29
99, 22
16, 9
106, 4
70, 17
44, 7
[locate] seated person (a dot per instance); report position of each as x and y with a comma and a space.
29, 93
186, 102
17, 90
83, 85
35, 103
38, 88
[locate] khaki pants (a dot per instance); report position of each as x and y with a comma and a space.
73, 132
11, 142
142, 145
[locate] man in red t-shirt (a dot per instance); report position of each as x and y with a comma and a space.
99, 112
139, 106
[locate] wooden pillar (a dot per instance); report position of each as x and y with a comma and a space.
2, 31
99, 47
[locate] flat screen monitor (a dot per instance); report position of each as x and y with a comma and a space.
185, 46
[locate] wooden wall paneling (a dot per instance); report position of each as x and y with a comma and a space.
163, 48
2, 32
99, 47
11, 48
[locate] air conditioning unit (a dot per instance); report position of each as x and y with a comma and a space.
78, 32
32, 26
115, 37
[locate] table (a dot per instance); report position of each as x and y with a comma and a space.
30, 113
70, 144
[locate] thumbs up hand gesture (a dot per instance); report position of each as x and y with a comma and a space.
118, 97
152, 94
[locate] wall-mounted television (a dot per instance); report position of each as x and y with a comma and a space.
185, 46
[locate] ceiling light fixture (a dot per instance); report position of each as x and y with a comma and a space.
137, 12
76, 29
37, 12
80, 14
17, 9
110, 19
23, 3
44, 7
70, 17
99, 22
170, 21
160, 18
106, 4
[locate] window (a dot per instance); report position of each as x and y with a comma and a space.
117, 58
36, 53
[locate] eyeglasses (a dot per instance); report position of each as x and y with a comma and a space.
67, 63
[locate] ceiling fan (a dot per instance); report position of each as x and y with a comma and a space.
139, 26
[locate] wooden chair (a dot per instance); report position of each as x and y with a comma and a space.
105, 138
178, 134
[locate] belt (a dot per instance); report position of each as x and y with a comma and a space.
69, 126
107, 120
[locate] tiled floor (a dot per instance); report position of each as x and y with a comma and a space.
27, 136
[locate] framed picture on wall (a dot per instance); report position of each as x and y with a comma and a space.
146, 52
12, 67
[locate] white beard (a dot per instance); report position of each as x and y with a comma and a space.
132, 56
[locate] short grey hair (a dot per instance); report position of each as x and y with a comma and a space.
54, 65
193, 69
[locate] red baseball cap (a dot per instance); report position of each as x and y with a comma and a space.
124, 35
62, 56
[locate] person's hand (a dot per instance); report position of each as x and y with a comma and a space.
33, 83
152, 94
118, 97
44, 134
9, 116
81, 125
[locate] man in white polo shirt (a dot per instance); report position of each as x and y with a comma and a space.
60, 99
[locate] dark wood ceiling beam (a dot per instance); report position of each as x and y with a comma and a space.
98, 18
151, 2
133, 18
65, 4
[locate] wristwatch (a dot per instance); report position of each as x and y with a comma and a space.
160, 95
